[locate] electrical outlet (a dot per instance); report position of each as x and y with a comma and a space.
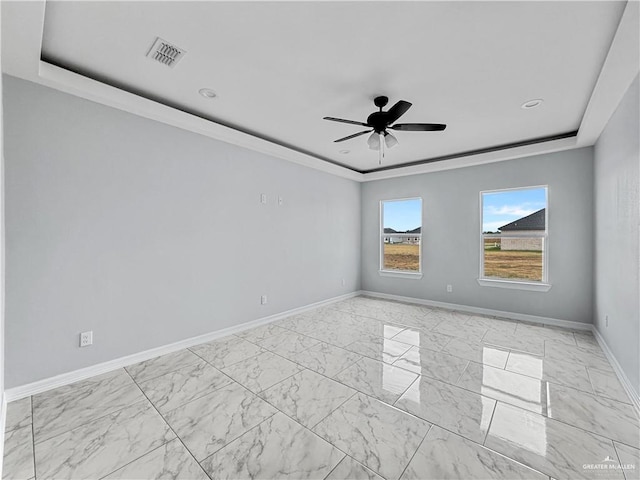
263, 198
86, 339
344, 282
280, 201
263, 300
606, 321
449, 288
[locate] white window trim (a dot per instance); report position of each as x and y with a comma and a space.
542, 286
400, 274
408, 274
515, 284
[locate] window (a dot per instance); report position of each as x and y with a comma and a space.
401, 236
514, 236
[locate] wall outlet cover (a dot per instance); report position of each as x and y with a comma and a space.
86, 339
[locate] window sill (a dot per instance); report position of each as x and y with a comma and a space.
531, 286
410, 275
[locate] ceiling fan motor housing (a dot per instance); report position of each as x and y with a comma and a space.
378, 121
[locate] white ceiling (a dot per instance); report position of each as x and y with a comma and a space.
279, 67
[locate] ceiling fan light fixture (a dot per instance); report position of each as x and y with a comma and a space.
374, 141
390, 141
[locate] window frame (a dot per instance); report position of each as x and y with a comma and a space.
513, 283
410, 274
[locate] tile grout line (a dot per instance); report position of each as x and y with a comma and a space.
493, 412
416, 451
615, 449
136, 459
89, 421
168, 425
333, 469
165, 373
335, 409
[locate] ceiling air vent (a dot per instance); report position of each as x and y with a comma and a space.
165, 53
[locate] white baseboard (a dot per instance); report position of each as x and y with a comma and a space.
40, 386
624, 380
3, 422
485, 311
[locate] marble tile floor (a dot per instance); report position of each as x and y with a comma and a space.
360, 389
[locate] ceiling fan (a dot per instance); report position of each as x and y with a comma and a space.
379, 122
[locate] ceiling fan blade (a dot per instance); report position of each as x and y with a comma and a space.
352, 136
419, 127
397, 111
342, 120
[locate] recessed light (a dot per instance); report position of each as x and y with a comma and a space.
207, 93
344, 152
532, 103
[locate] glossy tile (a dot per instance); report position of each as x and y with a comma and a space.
102, 446
307, 397
18, 414
417, 320
261, 372
112, 379
211, 422
298, 323
349, 469
375, 434
586, 340
477, 352
546, 332
379, 348
326, 359
56, 412
577, 355
513, 388
603, 416
289, 343
439, 365
160, 365
423, 339
338, 335
176, 388
18, 454
390, 331
367, 326
444, 455
551, 447
542, 368
452, 317
606, 384
492, 323
364, 310
263, 332
226, 351
278, 448
461, 411
629, 460
170, 460
461, 330
523, 343
380, 380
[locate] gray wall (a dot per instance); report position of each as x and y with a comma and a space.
148, 234
617, 183
451, 226
2, 242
